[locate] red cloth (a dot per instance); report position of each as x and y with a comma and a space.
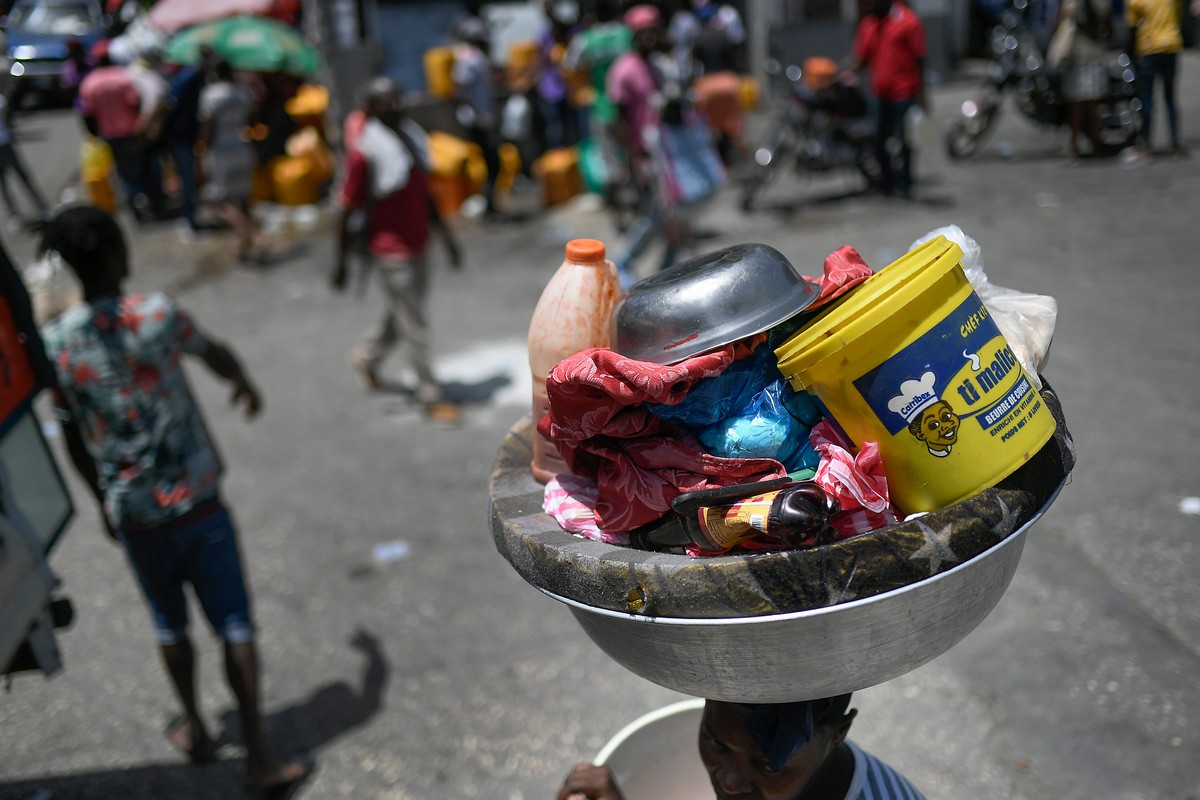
397, 225
640, 463
844, 269
892, 48
857, 481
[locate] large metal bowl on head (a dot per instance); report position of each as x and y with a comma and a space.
708, 301
785, 625
809, 654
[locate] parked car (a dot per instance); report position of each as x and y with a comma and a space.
38, 33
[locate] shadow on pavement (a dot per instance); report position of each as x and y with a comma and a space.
330, 712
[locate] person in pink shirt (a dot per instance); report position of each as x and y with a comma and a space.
636, 88
112, 109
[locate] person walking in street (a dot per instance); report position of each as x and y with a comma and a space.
890, 43
553, 89
153, 89
639, 92
593, 51
1155, 44
474, 88
229, 161
1085, 26
181, 133
138, 439
386, 177
782, 751
112, 107
10, 159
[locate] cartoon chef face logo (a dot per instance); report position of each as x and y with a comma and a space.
937, 428
930, 419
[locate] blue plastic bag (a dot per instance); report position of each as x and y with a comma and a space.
749, 411
767, 427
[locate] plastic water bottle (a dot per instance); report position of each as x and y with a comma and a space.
574, 313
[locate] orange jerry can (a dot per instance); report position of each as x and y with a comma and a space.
558, 172
522, 67
100, 192
295, 180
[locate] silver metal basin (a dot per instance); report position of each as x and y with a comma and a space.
810, 654
708, 301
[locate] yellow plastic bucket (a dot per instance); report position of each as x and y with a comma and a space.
913, 361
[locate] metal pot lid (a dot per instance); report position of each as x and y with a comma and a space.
709, 301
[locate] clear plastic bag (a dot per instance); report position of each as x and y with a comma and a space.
1026, 320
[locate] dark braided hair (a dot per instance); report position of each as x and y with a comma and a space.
85, 237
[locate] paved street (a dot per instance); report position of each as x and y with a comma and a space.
443, 675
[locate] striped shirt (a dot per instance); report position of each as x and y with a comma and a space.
875, 780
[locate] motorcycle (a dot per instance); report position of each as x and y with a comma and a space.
822, 125
1018, 68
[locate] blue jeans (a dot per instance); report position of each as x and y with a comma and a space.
205, 555
184, 158
1151, 68
140, 171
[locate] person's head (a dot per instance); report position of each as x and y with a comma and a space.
222, 71
208, 58
561, 13
150, 58
607, 10
383, 99
704, 9
75, 51
90, 241
645, 23
776, 751
880, 8
473, 31
100, 55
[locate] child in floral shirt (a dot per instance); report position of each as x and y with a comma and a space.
138, 438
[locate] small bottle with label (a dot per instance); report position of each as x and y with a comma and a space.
795, 516
574, 313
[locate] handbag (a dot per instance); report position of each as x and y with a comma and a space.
690, 167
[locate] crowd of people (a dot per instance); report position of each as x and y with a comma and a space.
177, 136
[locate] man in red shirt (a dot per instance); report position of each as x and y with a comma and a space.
890, 43
386, 180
